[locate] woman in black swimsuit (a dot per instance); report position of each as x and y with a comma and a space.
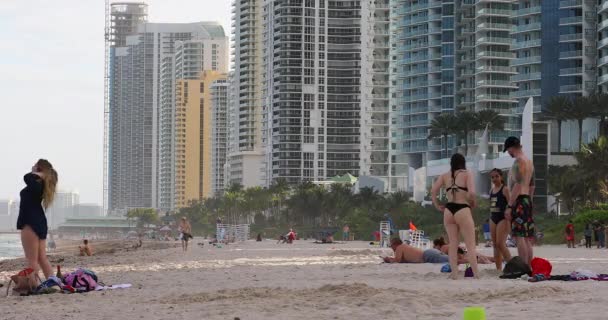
38, 193
457, 217
499, 227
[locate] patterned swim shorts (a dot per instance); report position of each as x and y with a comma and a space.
522, 222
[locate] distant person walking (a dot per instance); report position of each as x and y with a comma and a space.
487, 236
499, 226
185, 230
457, 217
37, 196
345, 232
588, 232
570, 235
521, 189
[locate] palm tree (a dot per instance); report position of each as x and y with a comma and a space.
491, 119
442, 126
557, 109
466, 123
581, 109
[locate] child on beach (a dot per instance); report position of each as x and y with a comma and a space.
85, 249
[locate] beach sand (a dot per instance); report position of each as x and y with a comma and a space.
254, 280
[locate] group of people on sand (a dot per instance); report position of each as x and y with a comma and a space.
510, 213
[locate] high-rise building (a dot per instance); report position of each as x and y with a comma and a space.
423, 68
245, 154
193, 141
219, 134
205, 52
139, 129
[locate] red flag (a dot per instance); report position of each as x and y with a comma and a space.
412, 226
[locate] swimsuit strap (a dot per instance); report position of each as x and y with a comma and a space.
454, 187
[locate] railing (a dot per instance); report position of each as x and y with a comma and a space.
495, 54
570, 3
494, 12
526, 93
527, 44
494, 40
527, 27
570, 88
571, 37
527, 11
571, 54
571, 20
526, 76
487, 25
568, 71
526, 60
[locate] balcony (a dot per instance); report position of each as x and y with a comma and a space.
571, 37
603, 7
525, 93
526, 77
570, 71
571, 88
603, 79
602, 43
526, 44
495, 69
602, 25
494, 83
602, 61
571, 20
527, 27
494, 97
571, 54
494, 40
495, 54
526, 60
494, 26
570, 3
494, 12
528, 11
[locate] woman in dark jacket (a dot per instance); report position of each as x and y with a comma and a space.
37, 196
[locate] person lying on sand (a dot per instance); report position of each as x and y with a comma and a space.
405, 253
85, 250
442, 246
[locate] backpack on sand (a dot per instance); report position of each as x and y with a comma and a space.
81, 280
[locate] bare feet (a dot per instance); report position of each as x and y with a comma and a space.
454, 275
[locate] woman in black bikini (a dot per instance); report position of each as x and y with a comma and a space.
457, 218
38, 193
499, 227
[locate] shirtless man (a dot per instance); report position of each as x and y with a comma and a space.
407, 254
519, 209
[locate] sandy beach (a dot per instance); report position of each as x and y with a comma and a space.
264, 280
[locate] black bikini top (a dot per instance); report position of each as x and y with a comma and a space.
454, 187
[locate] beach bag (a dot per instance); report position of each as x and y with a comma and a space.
81, 279
25, 281
515, 268
541, 266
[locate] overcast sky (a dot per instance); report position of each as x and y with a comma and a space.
51, 85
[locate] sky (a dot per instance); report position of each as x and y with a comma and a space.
51, 84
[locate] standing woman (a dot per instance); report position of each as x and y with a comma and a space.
186, 232
457, 217
499, 227
37, 196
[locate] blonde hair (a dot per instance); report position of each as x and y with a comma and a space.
50, 181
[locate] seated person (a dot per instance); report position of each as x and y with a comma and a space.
442, 246
405, 253
86, 249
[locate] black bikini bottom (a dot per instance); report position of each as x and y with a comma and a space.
455, 207
497, 217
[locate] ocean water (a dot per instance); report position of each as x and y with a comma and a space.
10, 246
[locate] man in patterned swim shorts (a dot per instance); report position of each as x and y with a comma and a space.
519, 210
